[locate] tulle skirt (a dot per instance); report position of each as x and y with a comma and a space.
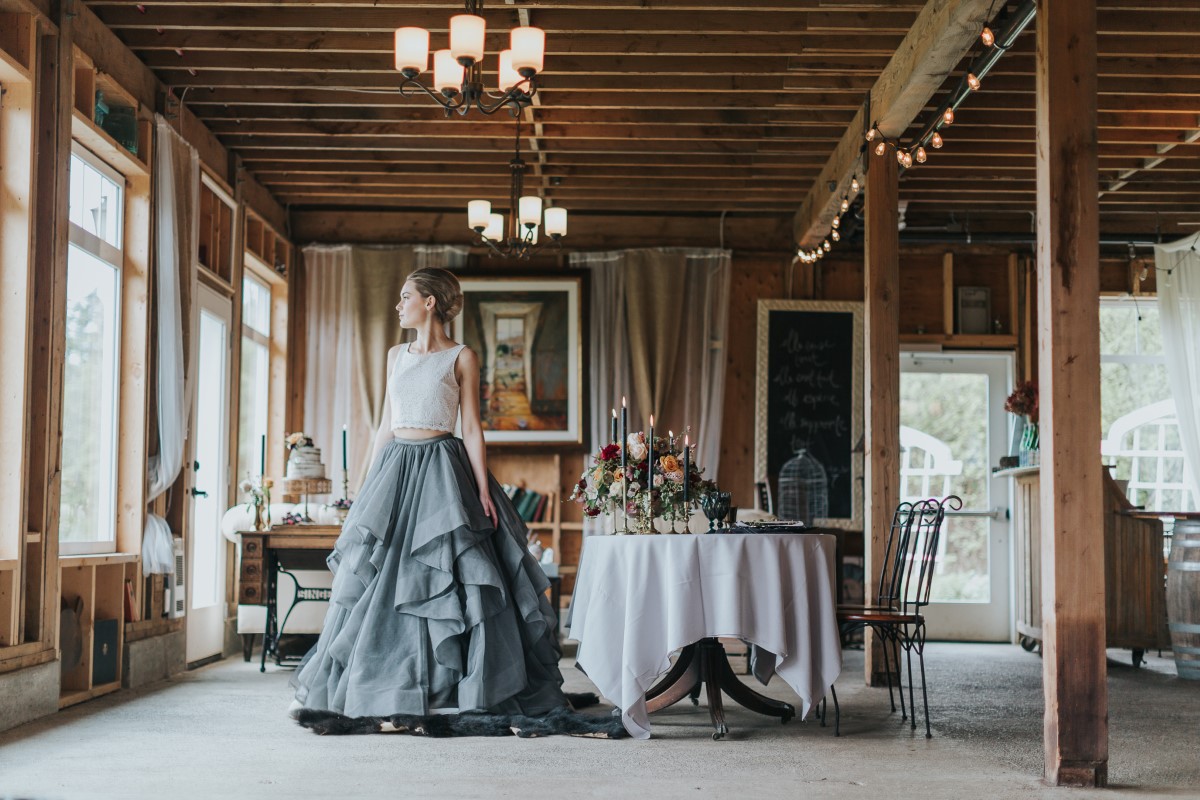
432, 606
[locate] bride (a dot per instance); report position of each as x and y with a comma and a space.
436, 604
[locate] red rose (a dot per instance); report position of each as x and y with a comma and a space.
610, 451
582, 485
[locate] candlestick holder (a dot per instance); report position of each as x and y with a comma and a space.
307, 486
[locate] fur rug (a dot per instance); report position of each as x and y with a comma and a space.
564, 721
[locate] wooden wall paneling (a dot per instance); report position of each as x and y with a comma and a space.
842, 278
1014, 312
753, 278
18, 38
881, 316
921, 291
297, 363
988, 270
1073, 615
948, 318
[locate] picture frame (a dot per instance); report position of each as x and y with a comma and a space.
528, 333
808, 395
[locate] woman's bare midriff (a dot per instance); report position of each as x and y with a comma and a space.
416, 433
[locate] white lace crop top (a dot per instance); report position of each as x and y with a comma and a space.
424, 390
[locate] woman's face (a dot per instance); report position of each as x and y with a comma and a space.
413, 309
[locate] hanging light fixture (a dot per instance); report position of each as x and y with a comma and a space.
526, 216
458, 82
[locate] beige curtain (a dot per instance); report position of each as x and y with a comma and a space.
658, 326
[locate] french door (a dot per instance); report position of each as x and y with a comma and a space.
953, 431
210, 481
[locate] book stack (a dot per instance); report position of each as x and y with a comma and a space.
531, 506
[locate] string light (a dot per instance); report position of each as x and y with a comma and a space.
987, 37
826, 245
973, 82
835, 235
837, 221
881, 148
855, 185
907, 160
919, 155
871, 134
936, 140
845, 204
948, 116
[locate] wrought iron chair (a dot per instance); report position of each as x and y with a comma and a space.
905, 584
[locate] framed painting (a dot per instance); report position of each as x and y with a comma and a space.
527, 333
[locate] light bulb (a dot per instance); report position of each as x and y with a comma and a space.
820, 253
837, 237
556, 222
412, 51
855, 185
530, 210
936, 140
881, 148
466, 38
447, 73
507, 77
478, 214
920, 155
948, 116
871, 135
529, 50
494, 231
907, 161
826, 245
987, 37
837, 221
845, 205
899, 156
973, 82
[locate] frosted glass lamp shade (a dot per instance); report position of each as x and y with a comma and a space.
508, 76
528, 49
447, 73
412, 51
478, 214
466, 38
530, 210
495, 228
556, 222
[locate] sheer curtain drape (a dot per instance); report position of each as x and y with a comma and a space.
351, 322
176, 183
658, 325
1178, 266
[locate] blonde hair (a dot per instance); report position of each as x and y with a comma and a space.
442, 286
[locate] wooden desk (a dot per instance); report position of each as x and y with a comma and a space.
265, 554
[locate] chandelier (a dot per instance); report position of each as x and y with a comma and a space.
458, 70
524, 215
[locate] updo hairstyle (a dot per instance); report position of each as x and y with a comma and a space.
442, 286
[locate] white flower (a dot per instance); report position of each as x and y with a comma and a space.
634, 487
658, 481
591, 495
637, 447
616, 488
675, 477
246, 486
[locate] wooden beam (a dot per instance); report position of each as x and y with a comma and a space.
1073, 626
881, 328
941, 35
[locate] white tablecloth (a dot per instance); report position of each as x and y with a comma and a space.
639, 598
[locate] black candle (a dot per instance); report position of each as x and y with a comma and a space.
650, 458
624, 443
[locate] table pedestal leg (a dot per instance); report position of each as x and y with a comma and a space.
705, 662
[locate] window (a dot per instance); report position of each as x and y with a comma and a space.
1139, 430
255, 377
87, 511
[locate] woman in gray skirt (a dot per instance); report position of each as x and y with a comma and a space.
436, 606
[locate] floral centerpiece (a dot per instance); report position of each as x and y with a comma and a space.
648, 490
298, 439
257, 492
1024, 402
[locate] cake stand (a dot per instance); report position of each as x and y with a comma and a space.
307, 486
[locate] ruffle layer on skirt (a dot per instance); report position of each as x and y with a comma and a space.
432, 606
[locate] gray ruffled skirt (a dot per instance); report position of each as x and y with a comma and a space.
432, 606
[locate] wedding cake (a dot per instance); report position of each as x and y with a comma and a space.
305, 461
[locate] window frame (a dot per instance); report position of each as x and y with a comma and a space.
114, 257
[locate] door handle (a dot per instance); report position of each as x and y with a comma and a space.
198, 493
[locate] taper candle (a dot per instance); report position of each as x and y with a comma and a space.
624, 442
262, 456
650, 457
343, 447
612, 437
687, 463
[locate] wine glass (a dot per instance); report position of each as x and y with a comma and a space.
710, 504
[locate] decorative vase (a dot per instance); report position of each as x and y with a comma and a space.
1030, 441
262, 517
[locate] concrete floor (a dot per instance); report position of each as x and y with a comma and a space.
221, 732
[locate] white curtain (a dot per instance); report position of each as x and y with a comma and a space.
1178, 270
176, 182
699, 387
333, 393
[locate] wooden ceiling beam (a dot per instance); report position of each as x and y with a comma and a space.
556, 22
942, 34
623, 6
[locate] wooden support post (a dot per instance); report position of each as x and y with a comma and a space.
1073, 624
881, 314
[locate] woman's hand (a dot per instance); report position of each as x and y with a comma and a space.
489, 508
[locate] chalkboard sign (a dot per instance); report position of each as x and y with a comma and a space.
809, 396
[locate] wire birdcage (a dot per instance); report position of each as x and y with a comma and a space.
803, 489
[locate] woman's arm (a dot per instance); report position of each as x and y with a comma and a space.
466, 369
384, 434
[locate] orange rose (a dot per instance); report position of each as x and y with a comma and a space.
669, 463
599, 475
